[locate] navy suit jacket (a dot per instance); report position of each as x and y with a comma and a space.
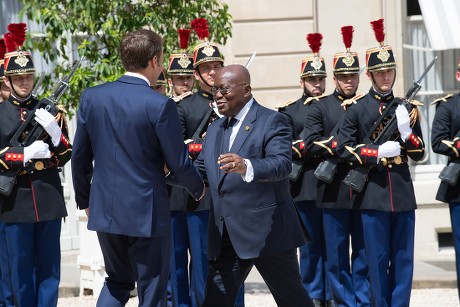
129, 131
260, 215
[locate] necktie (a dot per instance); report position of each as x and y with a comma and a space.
227, 133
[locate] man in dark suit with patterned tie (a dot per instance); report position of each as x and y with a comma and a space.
126, 134
253, 221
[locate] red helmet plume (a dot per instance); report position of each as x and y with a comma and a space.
200, 25
2, 48
184, 36
347, 36
18, 30
379, 31
314, 41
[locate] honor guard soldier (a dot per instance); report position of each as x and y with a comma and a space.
303, 182
34, 209
445, 140
387, 200
350, 286
160, 86
190, 231
6, 297
180, 69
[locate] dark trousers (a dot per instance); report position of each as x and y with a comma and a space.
6, 291
455, 222
389, 241
349, 284
134, 259
313, 254
280, 272
34, 255
189, 235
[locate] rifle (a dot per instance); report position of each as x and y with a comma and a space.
357, 177
30, 130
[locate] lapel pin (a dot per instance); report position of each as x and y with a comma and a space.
247, 128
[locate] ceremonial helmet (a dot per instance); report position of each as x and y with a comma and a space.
161, 78
17, 61
313, 65
346, 62
2, 56
206, 51
379, 58
181, 63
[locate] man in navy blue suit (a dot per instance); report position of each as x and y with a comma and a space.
246, 159
126, 134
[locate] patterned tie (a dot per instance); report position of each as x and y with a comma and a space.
227, 133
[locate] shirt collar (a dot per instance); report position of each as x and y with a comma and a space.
137, 75
244, 111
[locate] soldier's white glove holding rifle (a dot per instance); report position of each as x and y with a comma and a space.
402, 116
389, 149
36, 150
50, 125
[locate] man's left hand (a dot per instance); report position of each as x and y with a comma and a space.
232, 163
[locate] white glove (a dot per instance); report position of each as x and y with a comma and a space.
389, 149
403, 119
50, 125
36, 150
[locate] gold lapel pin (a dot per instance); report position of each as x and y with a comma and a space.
247, 128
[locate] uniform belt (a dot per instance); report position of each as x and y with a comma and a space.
394, 160
37, 166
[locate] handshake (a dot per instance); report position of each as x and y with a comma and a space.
39, 149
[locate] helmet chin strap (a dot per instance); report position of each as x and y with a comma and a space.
201, 77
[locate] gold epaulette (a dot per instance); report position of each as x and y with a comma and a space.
317, 98
416, 103
285, 104
348, 102
61, 108
184, 95
442, 99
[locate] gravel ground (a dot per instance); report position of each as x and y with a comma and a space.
420, 298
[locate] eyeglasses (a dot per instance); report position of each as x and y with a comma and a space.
224, 90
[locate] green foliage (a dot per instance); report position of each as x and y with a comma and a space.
94, 28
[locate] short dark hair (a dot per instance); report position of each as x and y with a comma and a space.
139, 47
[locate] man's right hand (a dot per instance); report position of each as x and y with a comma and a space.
36, 150
389, 149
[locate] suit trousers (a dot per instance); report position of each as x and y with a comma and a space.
34, 253
280, 272
389, 242
128, 260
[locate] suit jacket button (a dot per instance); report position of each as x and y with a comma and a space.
221, 195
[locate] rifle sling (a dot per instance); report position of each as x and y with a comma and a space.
205, 120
